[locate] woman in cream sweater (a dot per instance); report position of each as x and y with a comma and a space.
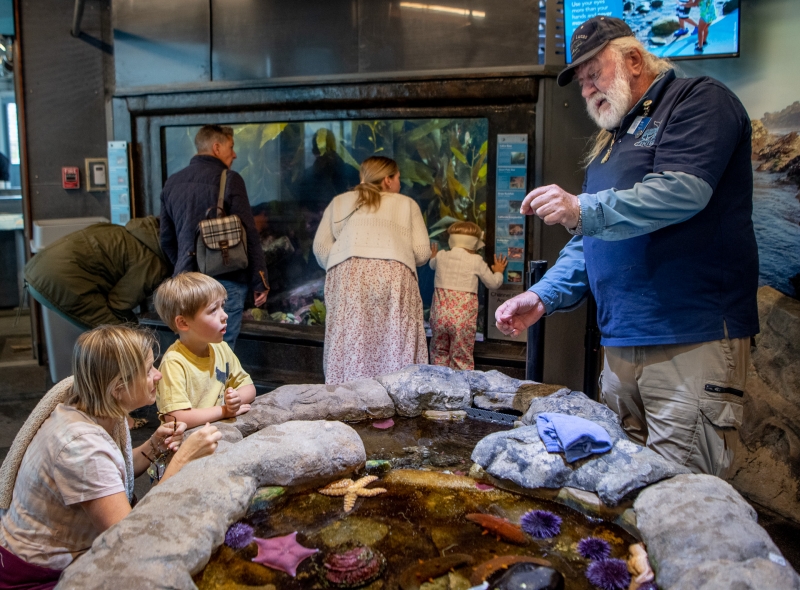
370, 242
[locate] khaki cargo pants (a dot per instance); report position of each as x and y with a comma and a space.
683, 401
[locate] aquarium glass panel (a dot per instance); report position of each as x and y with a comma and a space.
293, 170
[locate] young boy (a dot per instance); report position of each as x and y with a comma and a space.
454, 311
202, 378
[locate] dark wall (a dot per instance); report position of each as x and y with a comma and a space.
562, 131
202, 43
65, 102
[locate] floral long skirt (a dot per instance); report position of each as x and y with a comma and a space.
374, 322
454, 316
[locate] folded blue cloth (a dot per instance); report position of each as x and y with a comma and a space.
574, 436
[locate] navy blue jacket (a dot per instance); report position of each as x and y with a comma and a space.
683, 282
187, 196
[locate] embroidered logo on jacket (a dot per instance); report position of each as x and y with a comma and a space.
649, 136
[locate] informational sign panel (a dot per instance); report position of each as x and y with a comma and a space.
509, 231
119, 184
511, 188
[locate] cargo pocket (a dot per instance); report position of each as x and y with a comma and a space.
722, 398
721, 404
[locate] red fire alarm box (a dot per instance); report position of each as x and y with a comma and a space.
70, 177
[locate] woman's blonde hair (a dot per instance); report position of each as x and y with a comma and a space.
653, 65
373, 170
465, 228
109, 362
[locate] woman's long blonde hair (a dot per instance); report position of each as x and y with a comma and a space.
109, 362
373, 170
653, 65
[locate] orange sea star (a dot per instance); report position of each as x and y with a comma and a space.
351, 490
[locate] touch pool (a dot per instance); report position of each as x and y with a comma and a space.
700, 534
419, 525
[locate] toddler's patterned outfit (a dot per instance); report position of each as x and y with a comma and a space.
454, 311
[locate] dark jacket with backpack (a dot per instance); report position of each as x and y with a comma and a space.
185, 201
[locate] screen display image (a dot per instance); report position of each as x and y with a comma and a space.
668, 28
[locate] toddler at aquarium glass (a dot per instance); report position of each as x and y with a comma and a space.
203, 379
454, 311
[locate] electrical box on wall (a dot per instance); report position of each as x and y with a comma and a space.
70, 177
96, 174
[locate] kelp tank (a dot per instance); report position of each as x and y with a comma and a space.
293, 170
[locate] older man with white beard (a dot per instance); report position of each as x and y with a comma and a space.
664, 240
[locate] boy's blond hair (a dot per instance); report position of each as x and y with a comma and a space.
465, 228
185, 295
109, 360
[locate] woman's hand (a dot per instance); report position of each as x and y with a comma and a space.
168, 437
200, 444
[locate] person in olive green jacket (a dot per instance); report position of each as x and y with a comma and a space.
98, 275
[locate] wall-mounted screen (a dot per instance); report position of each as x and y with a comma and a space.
669, 28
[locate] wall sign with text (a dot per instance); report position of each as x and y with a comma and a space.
119, 185
511, 188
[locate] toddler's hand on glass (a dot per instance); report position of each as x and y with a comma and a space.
434, 249
500, 263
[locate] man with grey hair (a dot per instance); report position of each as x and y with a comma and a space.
186, 200
664, 240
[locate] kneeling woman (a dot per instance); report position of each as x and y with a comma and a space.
75, 479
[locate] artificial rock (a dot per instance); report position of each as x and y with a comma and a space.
417, 388
700, 533
520, 456
205, 497
767, 464
365, 399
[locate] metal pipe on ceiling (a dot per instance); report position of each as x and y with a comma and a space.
77, 16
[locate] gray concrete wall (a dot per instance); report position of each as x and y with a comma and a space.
65, 88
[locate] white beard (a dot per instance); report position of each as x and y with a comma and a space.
616, 102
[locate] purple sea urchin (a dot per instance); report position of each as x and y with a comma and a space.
239, 535
594, 548
648, 586
540, 524
609, 574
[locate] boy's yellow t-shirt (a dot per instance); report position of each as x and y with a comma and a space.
191, 382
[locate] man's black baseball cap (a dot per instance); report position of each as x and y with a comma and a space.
589, 39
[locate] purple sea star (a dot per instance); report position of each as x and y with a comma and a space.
609, 574
540, 524
282, 553
383, 424
594, 548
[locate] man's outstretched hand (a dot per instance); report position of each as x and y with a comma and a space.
516, 314
553, 205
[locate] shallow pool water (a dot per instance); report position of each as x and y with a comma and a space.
419, 519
